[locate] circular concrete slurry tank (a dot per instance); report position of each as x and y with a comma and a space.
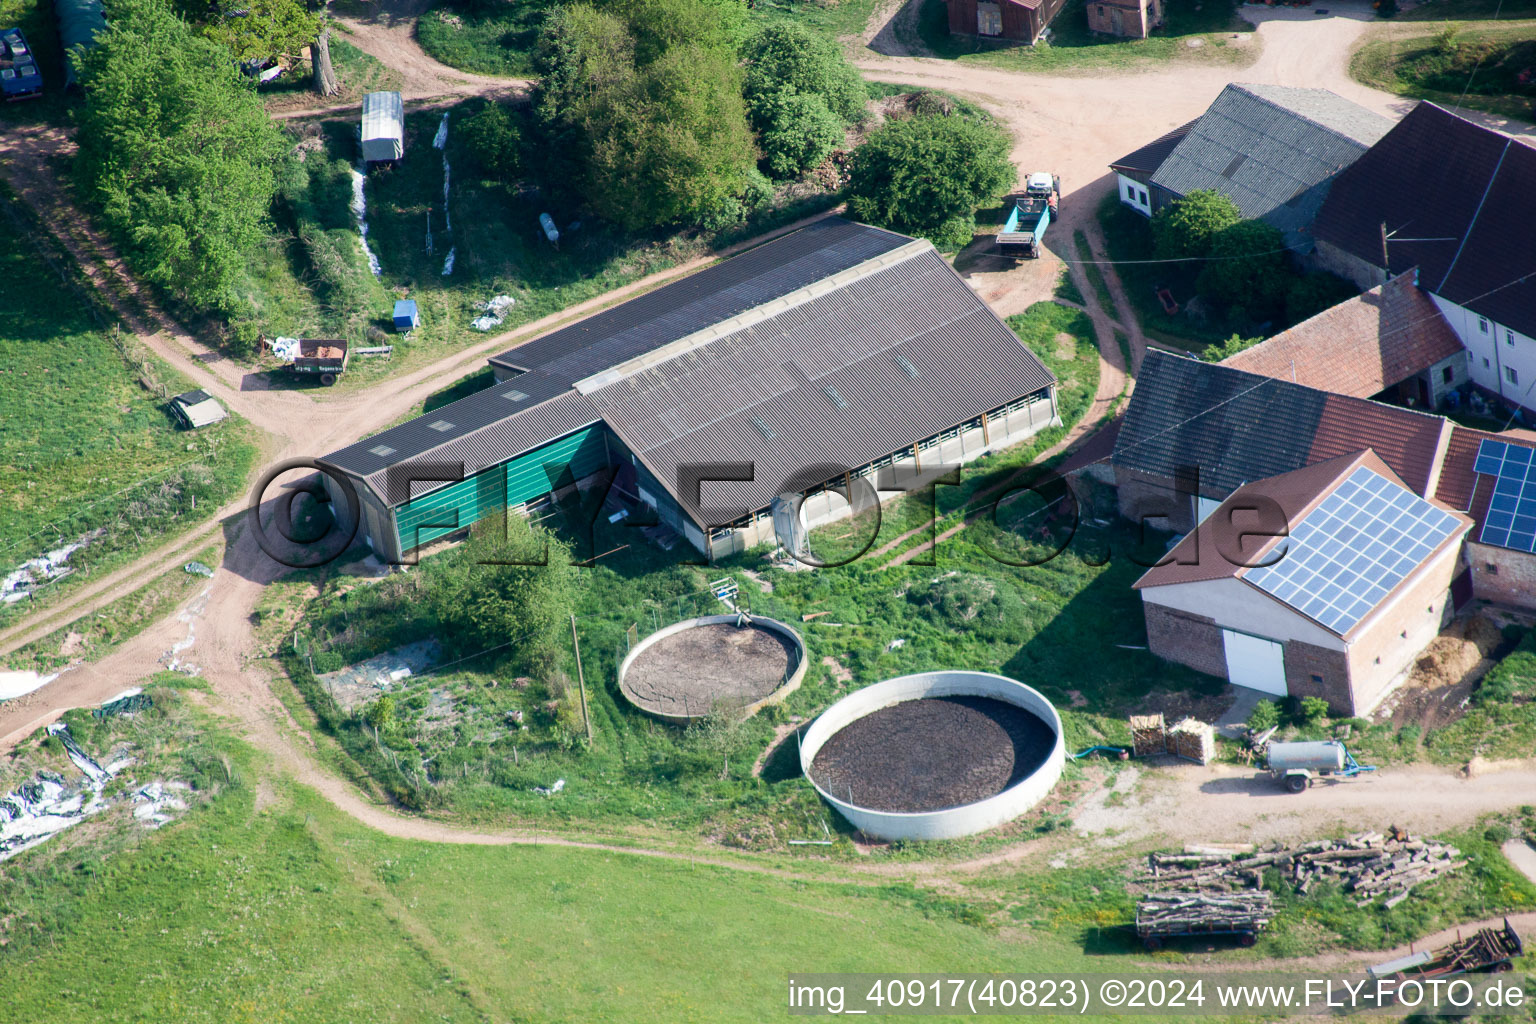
936, 755
712, 664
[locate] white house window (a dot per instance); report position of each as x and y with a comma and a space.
1509, 337
1482, 324
1510, 375
1486, 363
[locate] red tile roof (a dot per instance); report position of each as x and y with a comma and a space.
1231, 540
1199, 555
1361, 346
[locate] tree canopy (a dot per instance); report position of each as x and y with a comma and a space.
801, 94
927, 175
642, 109
176, 150
1186, 227
261, 30
1248, 270
485, 603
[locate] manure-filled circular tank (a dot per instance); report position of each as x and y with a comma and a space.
936, 755
713, 664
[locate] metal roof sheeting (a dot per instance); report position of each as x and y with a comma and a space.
383, 126
763, 393
1274, 150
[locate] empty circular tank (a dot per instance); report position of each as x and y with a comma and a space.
1038, 747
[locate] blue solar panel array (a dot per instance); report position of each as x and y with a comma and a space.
1511, 519
1352, 549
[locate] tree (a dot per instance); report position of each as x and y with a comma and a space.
176, 151
381, 714
1185, 228
484, 603
494, 135
927, 175
264, 30
801, 95
1231, 347
796, 131
648, 127
1247, 266
1310, 294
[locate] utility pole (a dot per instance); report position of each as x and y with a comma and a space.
581, 681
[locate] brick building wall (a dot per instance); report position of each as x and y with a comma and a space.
1185, 639
1312, 671
1331, 258
1393, 641
1502, 576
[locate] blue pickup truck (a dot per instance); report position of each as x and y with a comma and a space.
1031, 215
19, 77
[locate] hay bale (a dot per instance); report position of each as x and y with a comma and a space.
1149, 735
1193, 740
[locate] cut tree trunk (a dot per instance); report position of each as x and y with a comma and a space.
325, 76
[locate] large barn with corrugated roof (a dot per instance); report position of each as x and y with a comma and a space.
811, 361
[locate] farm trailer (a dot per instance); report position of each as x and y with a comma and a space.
1186, 914
1030, 217
1295, 765
328, 358
1488, 949
20, 78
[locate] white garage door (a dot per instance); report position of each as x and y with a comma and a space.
1254, 662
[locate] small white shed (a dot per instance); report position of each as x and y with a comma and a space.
194, 409
383, 127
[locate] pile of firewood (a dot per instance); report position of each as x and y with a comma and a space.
1370, 865
1190, 911
1149, 735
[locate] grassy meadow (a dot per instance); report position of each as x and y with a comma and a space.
87, 442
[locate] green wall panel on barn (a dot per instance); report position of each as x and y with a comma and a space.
531, 475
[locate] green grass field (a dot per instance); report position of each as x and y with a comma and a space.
1194, 31
264, 903
1484, 65
86, 441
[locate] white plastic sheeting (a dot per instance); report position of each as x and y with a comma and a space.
440, 141
19, 684
47, 806
154, 802
360, 211
49, 565
495, 312
287, 349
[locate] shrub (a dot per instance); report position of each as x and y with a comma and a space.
1266, 715
1186, 227
494, 136
1249, 268
1313, 709
927, 175
801, 94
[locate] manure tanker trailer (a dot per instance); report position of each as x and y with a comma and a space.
1296, 764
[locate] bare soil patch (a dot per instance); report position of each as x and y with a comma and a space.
710, 666
933, 753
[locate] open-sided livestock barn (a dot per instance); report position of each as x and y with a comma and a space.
823, 356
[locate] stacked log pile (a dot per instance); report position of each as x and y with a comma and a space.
1371, 865
1191, 912
1193, 740
1149, 735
